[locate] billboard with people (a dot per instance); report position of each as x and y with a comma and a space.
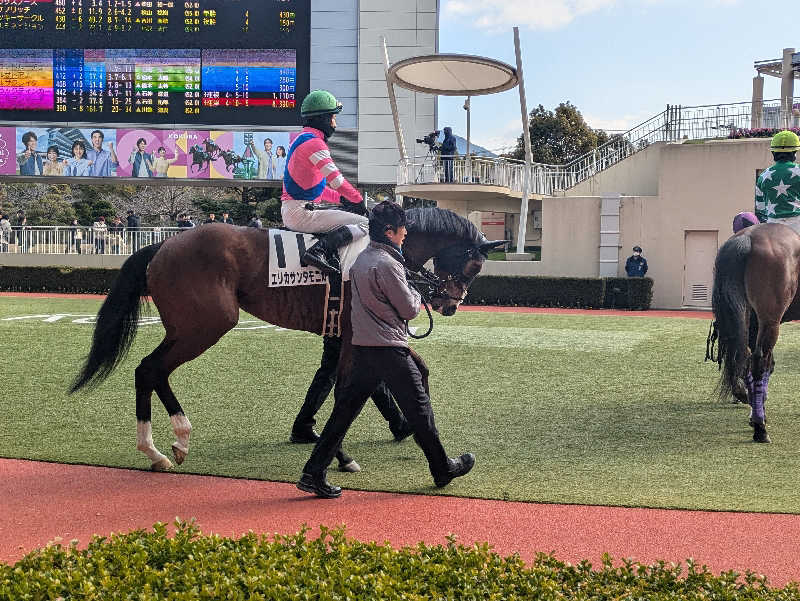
144, 153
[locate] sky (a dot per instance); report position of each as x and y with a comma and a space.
619, 61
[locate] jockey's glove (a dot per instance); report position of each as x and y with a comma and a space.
359, 208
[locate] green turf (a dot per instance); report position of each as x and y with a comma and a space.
577, 409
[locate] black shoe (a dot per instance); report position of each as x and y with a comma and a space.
316, 256
307, 437
457, 467
319, 486
402, 432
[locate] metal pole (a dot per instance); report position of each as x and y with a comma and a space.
469, 159
401, 145
526, 176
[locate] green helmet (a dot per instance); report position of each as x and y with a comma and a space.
320, 102
785, 141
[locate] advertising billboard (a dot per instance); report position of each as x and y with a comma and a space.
226, 62
144, 153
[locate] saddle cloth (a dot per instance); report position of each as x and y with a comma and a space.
286, 248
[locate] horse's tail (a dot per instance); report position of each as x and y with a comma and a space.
117, 320
729, 301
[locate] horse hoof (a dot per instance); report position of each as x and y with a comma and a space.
760, 433
179, 454
162, 465
351, 467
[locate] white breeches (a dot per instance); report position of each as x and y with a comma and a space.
792, 222
296, 217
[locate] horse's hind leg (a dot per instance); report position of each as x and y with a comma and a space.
153, 374
146, 377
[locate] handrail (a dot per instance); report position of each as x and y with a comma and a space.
675, 124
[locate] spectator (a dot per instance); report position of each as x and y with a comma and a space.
255, 222
99, 230
185, 222
16, 229
116, 232
75, 237
226, 219
636, 265
133, 220
134, 236
5, 233
449, 151
211, 218
23, 233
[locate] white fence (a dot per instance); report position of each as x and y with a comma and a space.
674, 124
56, 240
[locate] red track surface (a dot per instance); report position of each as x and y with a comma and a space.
41, 501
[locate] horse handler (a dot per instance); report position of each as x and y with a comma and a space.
381, 306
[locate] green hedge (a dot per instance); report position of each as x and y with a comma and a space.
83, 280
150, 566
542, 291
533, 291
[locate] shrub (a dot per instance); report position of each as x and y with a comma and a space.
759, 132
543, 291
57, 279
147, 566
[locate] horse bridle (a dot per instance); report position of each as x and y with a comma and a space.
431, 286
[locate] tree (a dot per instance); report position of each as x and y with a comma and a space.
52, 208
560, 136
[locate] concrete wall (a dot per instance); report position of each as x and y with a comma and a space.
636, 175
411, 29
334, 54
701, 187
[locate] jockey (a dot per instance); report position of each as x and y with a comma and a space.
778, 188
743, 220
308, 169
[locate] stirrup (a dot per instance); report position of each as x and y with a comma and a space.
320, 261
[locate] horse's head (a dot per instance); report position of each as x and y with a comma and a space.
454, 269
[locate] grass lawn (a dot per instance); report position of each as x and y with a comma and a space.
574, 409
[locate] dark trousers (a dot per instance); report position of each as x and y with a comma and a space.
323, 382
448, 169
396, 367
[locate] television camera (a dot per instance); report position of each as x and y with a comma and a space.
430, 140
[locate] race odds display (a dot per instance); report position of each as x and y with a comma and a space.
207, 62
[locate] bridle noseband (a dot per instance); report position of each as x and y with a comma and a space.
430, 286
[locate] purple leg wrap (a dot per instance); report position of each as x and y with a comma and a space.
749, 383
759, 398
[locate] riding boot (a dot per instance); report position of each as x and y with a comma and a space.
322, 254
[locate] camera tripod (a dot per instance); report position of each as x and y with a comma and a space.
433, 155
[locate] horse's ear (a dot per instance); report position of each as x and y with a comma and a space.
487, 246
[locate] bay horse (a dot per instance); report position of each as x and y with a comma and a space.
200, 279
755, 290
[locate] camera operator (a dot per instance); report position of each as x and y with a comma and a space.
449, 151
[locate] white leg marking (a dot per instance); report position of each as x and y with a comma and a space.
182, 429
144, 443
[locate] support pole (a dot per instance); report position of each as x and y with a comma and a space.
526, 177
467, 108
787, 87
398, 129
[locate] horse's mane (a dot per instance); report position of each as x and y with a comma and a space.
432, 220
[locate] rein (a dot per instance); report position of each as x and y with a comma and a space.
430, 285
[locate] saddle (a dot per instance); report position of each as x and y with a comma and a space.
286, 268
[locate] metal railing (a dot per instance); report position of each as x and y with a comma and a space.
57, 240
675, 124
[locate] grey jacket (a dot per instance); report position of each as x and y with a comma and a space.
382, 300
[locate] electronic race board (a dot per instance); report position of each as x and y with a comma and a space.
231, 62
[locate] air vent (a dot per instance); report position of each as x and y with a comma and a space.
700, 293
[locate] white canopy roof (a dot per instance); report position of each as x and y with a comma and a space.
453, 75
